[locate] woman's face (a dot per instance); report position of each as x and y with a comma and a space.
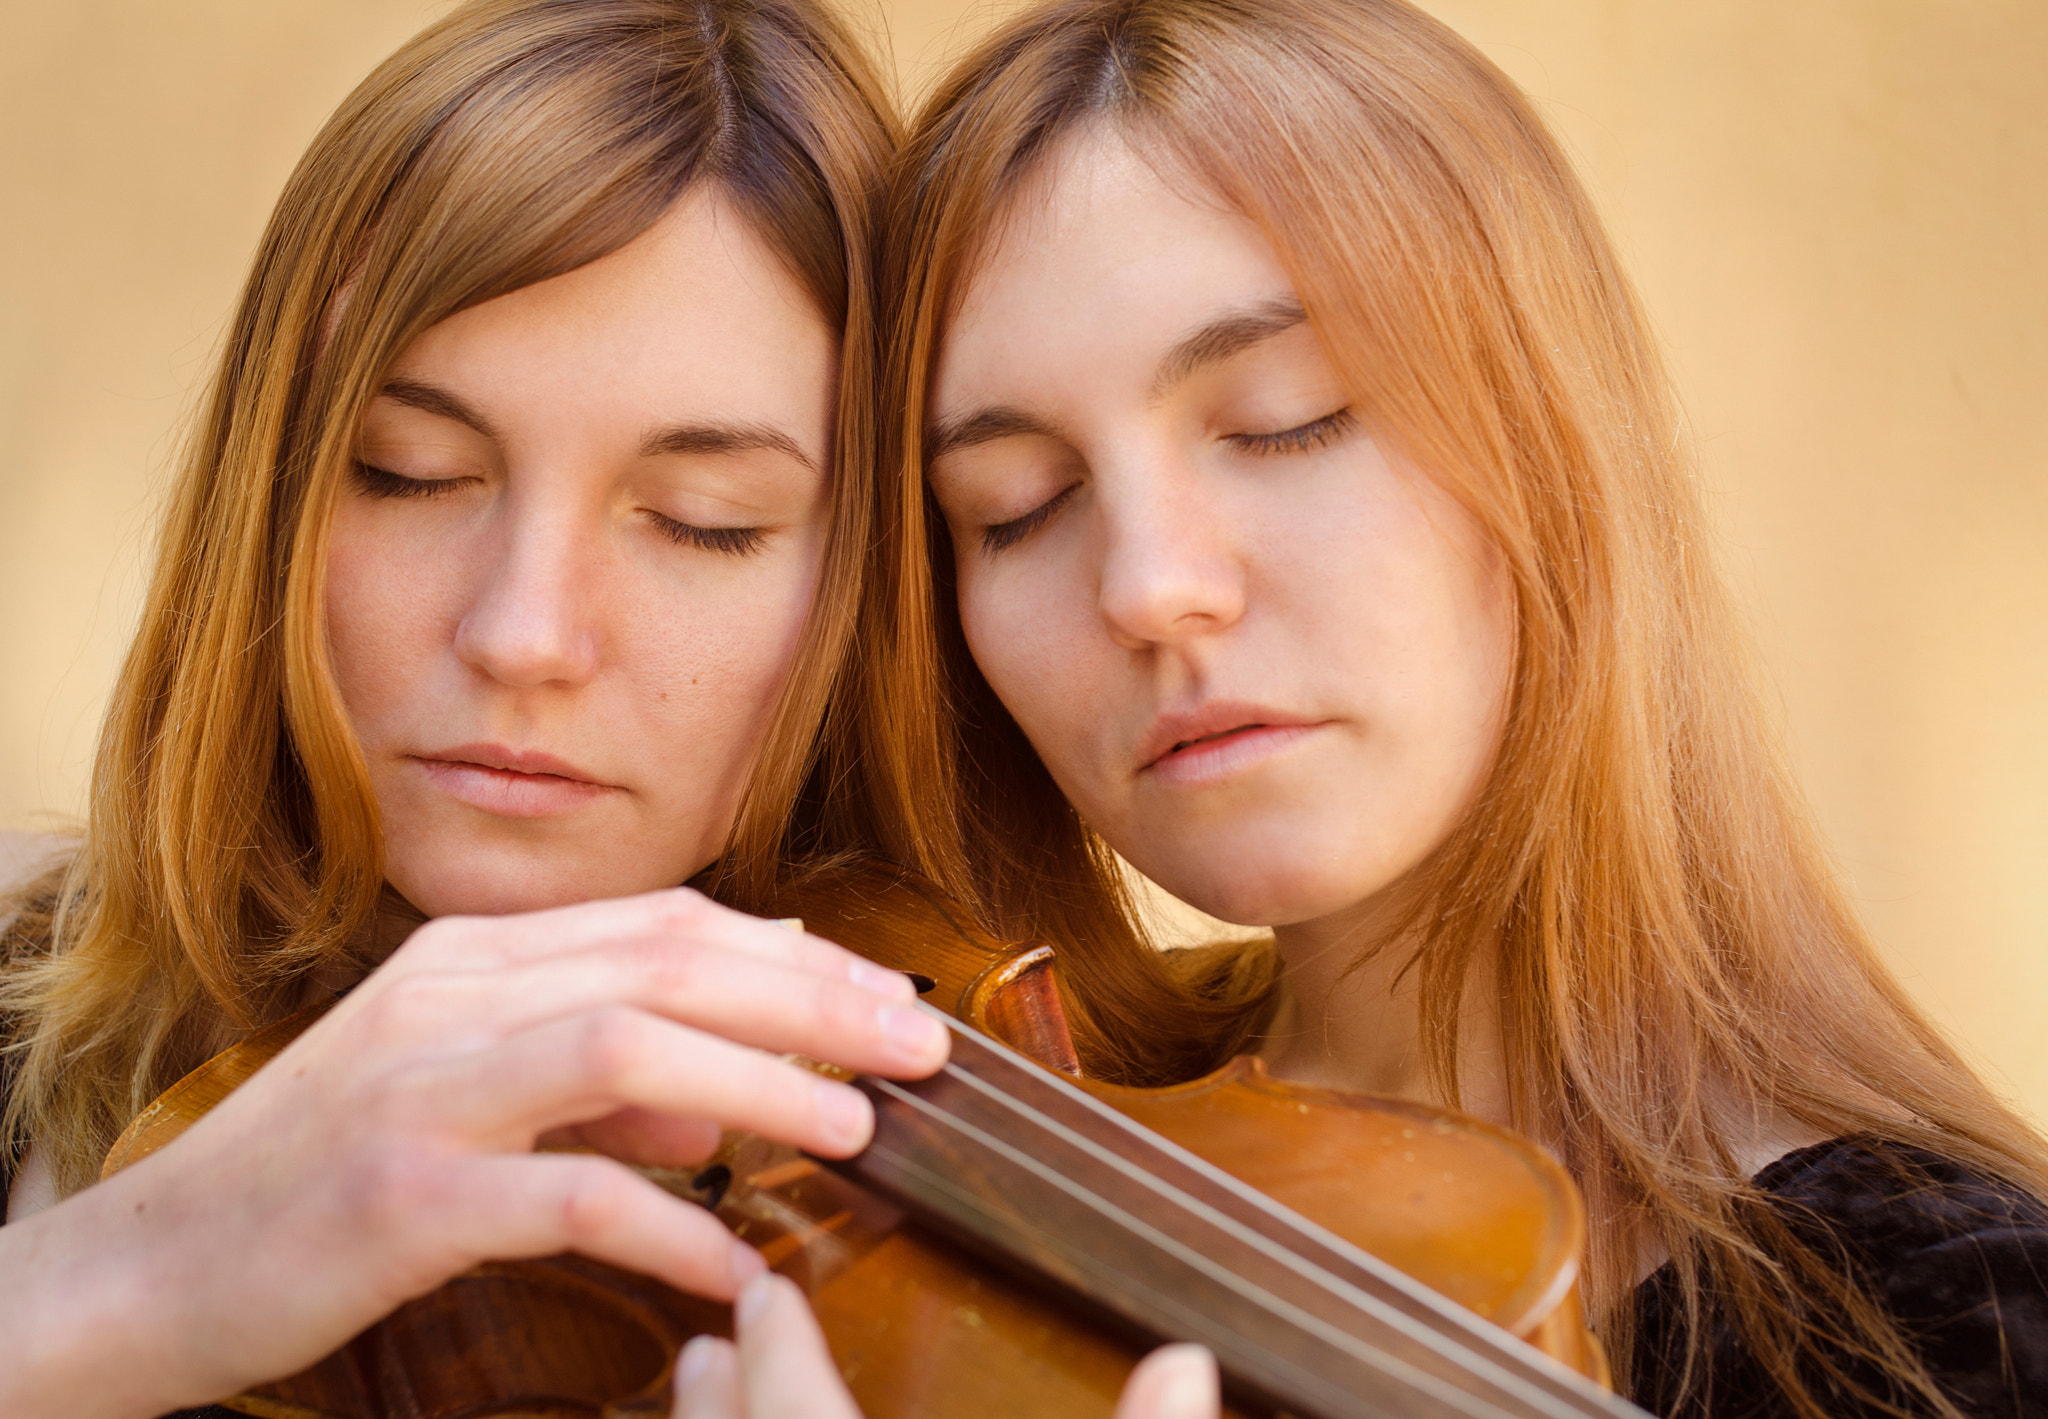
1263, 658
568, 577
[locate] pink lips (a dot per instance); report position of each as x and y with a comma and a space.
509, 782
1216, 740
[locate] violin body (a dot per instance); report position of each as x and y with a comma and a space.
922, 1325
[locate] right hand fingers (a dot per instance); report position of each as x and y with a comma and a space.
780, 1368
708, 1380
503, 1208
1173, 1382
491, 943
741, 997
593, 1065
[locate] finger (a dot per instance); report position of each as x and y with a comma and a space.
546, 1203
708, 1380
786, 1369
724, 992
1173, 1382
637, 1136
762, 1003
679, 913
574, 1071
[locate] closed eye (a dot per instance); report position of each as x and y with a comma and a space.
1301, 439
383, 483
998, 536
732, 541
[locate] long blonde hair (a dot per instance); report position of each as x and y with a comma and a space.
1677, 959
233, 843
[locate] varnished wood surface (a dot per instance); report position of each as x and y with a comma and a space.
1497, 1229
1031, 1167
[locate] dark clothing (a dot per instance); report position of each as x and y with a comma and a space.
1959, 1259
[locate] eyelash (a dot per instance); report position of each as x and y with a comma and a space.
1325, 430
1328, 429
733, 541
1002, 535
383, 483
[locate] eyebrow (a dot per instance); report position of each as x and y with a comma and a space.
1213, 343
1225, 336
685, 439
723, 439
982, 426
433, 399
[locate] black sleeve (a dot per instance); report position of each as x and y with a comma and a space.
1960, 1260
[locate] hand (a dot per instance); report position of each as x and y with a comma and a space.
780, 1368
389, 1148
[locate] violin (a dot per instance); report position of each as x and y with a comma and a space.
1016, 1235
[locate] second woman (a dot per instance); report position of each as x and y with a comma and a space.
1310, 526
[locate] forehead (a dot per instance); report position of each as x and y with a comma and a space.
1104, 231
695, 326
701, 269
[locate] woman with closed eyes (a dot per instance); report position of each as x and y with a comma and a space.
507, 587
1310, 526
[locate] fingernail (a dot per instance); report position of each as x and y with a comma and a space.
880, 979
695, 1360
913, 1032
1187, 1387
845, 1113
747, 1264
753, 1300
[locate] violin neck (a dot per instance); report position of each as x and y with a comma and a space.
1023, 1165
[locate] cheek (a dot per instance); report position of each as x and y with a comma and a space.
1036, 636
383, 600
1012, 633
1477, 599
1448, 634
712, 664
762, 634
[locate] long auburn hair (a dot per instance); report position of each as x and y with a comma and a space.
1676, 957
233, 844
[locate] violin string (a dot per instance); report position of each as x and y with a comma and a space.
1460, 1351
1478, 1343
1467, 1356
1393, 1367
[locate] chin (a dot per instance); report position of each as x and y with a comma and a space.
1252, 884
487, 882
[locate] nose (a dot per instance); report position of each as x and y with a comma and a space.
530, 623
1172, 570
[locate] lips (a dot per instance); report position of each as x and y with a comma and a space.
1214, 726
510, 782
516, 761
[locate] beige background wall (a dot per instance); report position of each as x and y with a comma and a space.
1837, 210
